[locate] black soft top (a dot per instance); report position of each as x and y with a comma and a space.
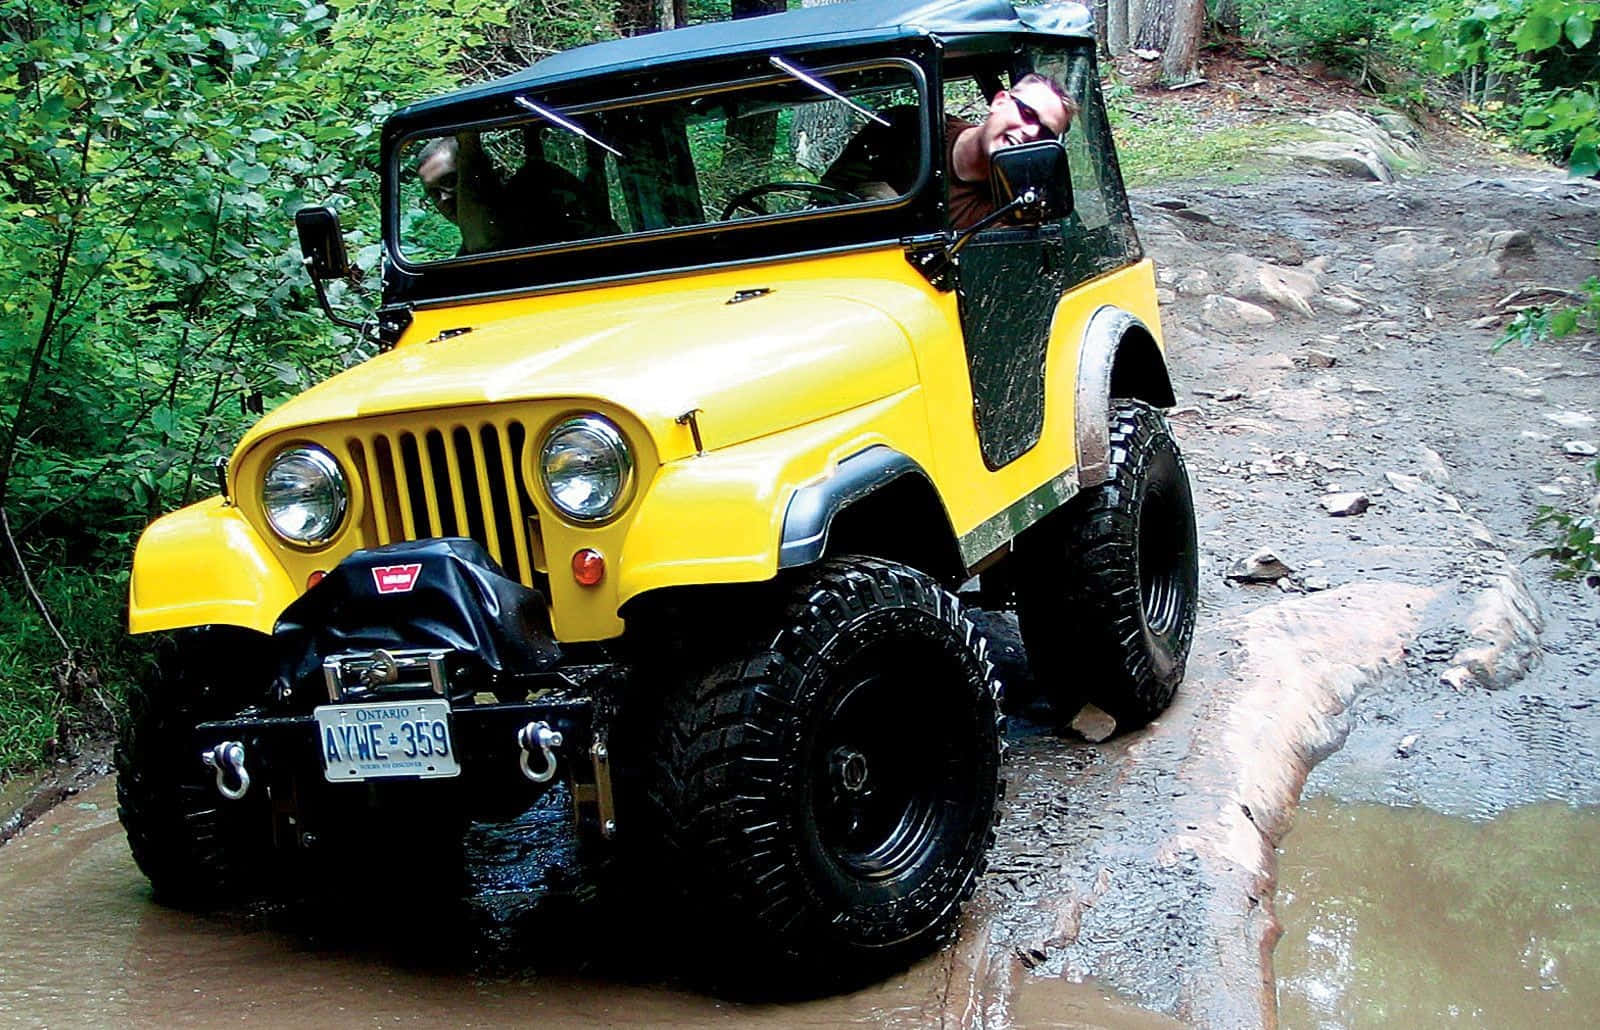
852, 22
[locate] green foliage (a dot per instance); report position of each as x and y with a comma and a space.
152, 155
1341, 33
46, 695
1541, 56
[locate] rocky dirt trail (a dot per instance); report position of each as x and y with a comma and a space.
1365, 471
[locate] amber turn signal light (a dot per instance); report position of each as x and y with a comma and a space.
588, 567
315, 578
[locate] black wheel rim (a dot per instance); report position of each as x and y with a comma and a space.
888, 781
1166, 549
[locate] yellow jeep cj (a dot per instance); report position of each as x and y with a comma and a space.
663, 485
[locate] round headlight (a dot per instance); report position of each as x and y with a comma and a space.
304, 495
586, 468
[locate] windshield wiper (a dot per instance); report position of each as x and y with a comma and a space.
822, 87
572, 127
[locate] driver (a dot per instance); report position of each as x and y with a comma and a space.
881, 162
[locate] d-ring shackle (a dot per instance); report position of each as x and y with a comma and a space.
538, 736
228, 757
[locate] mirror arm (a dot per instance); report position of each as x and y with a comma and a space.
1027, 198
327, 308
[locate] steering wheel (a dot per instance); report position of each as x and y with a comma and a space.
751, 198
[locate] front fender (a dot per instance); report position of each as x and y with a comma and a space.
718, 517
205, 565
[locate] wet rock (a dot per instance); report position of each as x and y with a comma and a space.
1433, 466
1480, 533
1261, 282
1351, 161
1315, 583
1363, 387
1571, 419
1407, 742
1486, 322
1230, 313
1495, 243
1507, 622
1262, 567
1093, 725
1340, 505
1404, 483
1579, 449
1414, 254
1338, 305
1363, 133
1550, 490
1320, 359
1195, 282
1165, 296
1521, 393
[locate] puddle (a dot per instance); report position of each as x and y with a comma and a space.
1404, 917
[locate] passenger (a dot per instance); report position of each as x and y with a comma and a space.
881, 161
539, 203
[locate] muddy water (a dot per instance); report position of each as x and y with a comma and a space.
82, 945
1404, 917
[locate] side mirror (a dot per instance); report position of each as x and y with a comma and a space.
322, 242
1033, 181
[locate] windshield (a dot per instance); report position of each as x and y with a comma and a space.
678, 162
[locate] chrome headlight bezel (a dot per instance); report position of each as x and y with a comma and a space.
617, 489
320, 463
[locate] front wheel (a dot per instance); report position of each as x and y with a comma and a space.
833, 793
1108, 585
198, 848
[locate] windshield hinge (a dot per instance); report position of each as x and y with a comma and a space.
931, 256
392, 321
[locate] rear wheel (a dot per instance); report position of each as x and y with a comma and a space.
833, 792
198, 848
1107, 586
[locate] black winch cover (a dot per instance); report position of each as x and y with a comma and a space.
445, 592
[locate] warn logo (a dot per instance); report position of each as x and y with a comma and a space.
396, 579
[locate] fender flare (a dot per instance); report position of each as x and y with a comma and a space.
812, 508
1119, 355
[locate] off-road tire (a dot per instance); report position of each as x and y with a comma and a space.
755, 788
198, 848
1107, 586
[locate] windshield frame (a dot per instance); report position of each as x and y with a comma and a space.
615, 95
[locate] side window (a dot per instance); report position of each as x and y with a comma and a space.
1101, 226
1088, 188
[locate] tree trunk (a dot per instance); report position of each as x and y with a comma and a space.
637, 17
752, 137
1226, 15
1150, 22
1117, 27
1181, 60
820, 131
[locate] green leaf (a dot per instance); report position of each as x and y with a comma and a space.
1537, 33
1584, 162
1564, 322
1580, 29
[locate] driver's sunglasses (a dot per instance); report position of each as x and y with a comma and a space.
1030, 116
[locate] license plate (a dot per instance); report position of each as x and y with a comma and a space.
399, 738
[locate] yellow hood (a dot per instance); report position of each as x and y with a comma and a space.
802, 352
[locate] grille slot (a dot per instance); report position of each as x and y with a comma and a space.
463, 478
